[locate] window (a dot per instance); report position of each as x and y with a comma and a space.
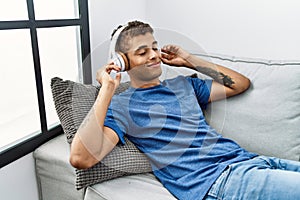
19, 100
9, 10
39, 40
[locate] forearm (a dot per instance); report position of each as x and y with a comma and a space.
89, 140
220, 74
226, 81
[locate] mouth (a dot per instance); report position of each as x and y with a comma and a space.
154, 65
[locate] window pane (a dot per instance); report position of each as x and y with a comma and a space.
19, 116
13, 10
56, 9
59, 58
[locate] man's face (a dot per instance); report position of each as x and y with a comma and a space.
144, 58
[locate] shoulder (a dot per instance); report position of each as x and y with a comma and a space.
195, 82
178, 79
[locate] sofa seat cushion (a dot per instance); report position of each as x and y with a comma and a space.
134, 187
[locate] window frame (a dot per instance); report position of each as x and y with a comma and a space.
27, 146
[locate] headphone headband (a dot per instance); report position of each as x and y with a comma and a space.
114, 39
118, 58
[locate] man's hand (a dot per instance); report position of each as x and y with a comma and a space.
103, 75
174, 55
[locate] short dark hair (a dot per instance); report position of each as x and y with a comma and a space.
132, 29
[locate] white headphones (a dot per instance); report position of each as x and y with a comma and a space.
118, 58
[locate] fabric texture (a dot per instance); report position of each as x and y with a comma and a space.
72, 102
186, 155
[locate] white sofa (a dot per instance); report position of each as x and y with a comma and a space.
265, 119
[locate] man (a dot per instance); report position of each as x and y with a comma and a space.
164, 120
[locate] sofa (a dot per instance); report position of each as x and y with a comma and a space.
265, 119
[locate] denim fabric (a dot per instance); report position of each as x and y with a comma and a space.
258, 178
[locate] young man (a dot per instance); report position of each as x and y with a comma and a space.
165, 121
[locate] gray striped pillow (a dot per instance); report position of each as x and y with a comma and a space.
72, 103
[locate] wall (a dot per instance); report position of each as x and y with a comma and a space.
105, 16
264, 29
250, 28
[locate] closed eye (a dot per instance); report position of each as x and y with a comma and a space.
142, 53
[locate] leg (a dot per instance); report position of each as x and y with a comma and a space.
284, 164
263, 178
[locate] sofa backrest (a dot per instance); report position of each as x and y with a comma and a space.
266, 118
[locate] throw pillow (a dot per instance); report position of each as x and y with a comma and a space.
72, 103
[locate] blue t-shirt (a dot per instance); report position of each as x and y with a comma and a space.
167, 124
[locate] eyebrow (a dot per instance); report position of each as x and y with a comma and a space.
145, 46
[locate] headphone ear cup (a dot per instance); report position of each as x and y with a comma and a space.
126, 61
121, 60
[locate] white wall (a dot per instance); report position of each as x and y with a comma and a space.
104, 17
249, 28
18, 180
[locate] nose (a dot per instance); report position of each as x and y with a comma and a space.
154, 53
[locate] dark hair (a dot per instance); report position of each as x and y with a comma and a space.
132, 29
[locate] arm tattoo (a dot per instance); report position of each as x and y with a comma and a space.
217, 76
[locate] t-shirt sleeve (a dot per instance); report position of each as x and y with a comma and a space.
112, 122
202, 90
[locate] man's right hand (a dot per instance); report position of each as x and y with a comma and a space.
103, 75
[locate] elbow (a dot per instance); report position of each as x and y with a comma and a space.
245, 85
75, 162
80, 156
78, 163
81, 162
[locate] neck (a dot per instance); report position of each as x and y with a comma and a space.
136, 84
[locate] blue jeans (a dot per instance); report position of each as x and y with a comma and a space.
258, 178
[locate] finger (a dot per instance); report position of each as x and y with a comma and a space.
166, 50
167, 56
118, 77
170, 48
165, 61
111, 67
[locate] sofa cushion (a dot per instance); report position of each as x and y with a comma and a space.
55, 176
266, 118
141, 186
72, 102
